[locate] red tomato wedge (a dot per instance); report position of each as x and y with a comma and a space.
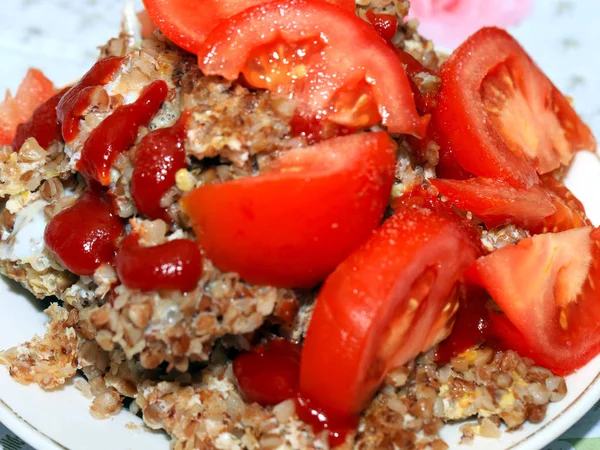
391, 299
34, 90
188, 23
502, 117
293, 225
497, 202
570, 212
546, 286
335, 65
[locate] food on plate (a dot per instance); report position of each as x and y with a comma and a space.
288, 224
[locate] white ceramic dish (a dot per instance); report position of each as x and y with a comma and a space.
60, 419
560, 43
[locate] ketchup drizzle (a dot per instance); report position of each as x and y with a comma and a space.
84, 235
74, 103
43, 125
269, 374
174, 265
158, 157
471, 328
118, 132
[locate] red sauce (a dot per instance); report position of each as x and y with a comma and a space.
471, 328
158, 157
174, 265
84, 236
74, 103
43, 124
270, 373
385, 24
118, 132
315, 130
338, 427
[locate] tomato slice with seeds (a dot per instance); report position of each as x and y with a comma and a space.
390, 300
497, 202
502, 117
546, 286
188, 23
293, 225
34, 90
335, 65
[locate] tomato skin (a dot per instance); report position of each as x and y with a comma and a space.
498, 203
174, 265
499, 129
84, 236
349, 51
388, 301
293, 225
189, 23
34, 90
546, 286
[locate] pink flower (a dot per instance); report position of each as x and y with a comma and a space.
450, 22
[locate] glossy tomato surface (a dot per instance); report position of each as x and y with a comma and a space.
547, 287
334, 65
391, 299
293, 225
188, 23
502, 117
497, 202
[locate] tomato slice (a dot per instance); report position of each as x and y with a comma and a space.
570, 212
293, 225
390, 300
188, 23
546, 286
335, 65
497, 203
502, 117
34, 90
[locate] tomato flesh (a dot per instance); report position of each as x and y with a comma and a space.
546, 286
497, 202
388, 301
570, 212
503, 118
189, 23
294, 224
34, 90
334, 65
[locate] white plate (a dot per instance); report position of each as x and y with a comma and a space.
29, 34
